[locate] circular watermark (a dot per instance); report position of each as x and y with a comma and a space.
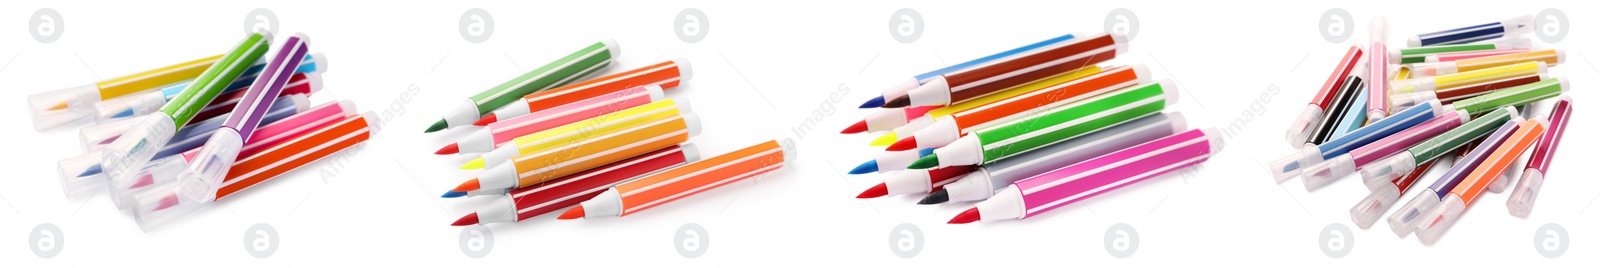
1550, 240
476, 241
905, 25
691, 25
261, 240
1335, 25
1121, 240
906, 240
691, 240
1336, 240
1122, 21
46, 25
46, 240
476, 25
1550, 25
260, 19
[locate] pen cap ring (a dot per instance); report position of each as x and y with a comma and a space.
685, 71
691, 152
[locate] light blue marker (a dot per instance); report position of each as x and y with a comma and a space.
1289, 166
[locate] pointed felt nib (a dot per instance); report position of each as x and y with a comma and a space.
470, 185
936, 197
900, 102
884, 140
436, 126
453, 194
575, 213
875, 102
907, 143
486, 120
469, 219
926, 162
95, 169
876, 191
858, 127
474, 164
448, 149
58, 107
969, 216
869, 167
123, 113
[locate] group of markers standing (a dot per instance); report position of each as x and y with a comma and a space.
1452, 92
1030, 129
171, 140
611, 145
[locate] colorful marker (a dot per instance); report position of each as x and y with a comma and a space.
583, 154
1339, 166
524, 203
1070, 184
1440, 218
1420, 54
107, 132
1475, 33
568, 69
1290, 166
59, 107
1367, 211
570, 133
134, 148
1351, 96
1381, 171
1404, 219
982, 183
887, 119
1551, 57
1520, 203
667, 186
941, 112
1448, 96
1304, 125
1378, 66
917, 181
1463, 55
994, 76
918, 80
500, 132
1053, 126
947, 129
1353, 118
148, 102
666, 75
1462, 79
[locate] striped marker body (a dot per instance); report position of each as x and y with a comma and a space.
1096, 176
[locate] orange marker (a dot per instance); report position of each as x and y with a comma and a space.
660, 188
1505, 154
667, 75
583, 153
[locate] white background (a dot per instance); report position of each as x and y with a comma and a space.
762, 71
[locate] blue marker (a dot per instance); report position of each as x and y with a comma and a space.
1475, 33
1290, 166
900, 90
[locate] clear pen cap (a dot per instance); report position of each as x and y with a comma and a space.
76, 180
1404, 220
1367, 212
1440, 218
1303, 126
210, 166
1326, 172
1385, 170
1289, 166
1520, 203
97, 137
59, 107
1518, 25
135, 147
130, 106
162, 204
158, 173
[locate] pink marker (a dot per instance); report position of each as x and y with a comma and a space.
1521, 201
1378, 70
1328, 171
500, 132
1070, 184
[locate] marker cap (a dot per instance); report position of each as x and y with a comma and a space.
685, 71
1440, 218
75, 186
1296, 136
163, 203
1520, 203
1385, 170
1401, 101
135, 147
129, 106
1322, 174
47, 111
93, 138
1367, 212
1518, 25
1289, 166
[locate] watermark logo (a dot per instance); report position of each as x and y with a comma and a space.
261, 240
476, 25
691, 25
1335, 24
46, 240
1121, 240
476, 241
1122, 21
905, 240
1336, 240
260, 19
691, 240
905, 25
46, 25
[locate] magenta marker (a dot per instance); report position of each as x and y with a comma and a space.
1521, 201
1328, 171
1070, 184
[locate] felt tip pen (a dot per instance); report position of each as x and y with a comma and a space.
916, 181
1067, 185
666, 75
1463, 55
1337, 167
568, 69
1378, 66
946, 129
1551, 57
1307, 121
982, 183
1520, 203
148, 102
99, 136
677, 183
900, 89
1449, 210
1474, 33
906, 130
1369, 209
500, 132
1470, 77
1351, 96
1290, 166
587, 128
944, 112
1412, 55
60, 107
584, 153
1449, 96
1405, 218
1519, 95
1376, 173
887, 119
524, 203
890, 161
1053, 126
991, 77
135, 147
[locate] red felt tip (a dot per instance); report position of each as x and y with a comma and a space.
907, 143
876, 191
448, 149
486, 120
858, 127
469, 219
969, 216
575, 213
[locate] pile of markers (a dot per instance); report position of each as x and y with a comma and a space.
1030, 129
550, 139
171, 140
1453, 92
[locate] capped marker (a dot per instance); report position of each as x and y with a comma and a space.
148, 102
1404, 219
666, 75
1369, 209
1377, 68
1521, 201
1412, 55
1339, 166
1320, 103
677, 183
946, 111
1352, 94
572, 132
1475, 33
890, 161
1402, 162
1292, 165
900, 89
1440, 218
525, 203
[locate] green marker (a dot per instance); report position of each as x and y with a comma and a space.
555, 74
1420, 54
1053, 126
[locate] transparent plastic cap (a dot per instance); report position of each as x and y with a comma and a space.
1383, 172
1326, 172
59, 107
1301, 129
128, 106
1367, 212
76, 181
1432, 69
1404, 220
158, 173
162, 204
210, 166
1289, 166
1518, 25
1520, 203
97, 137
135, 147
1401, 101
1522, 42
1440, 218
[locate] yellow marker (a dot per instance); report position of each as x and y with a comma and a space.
1461, 79
577, 132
